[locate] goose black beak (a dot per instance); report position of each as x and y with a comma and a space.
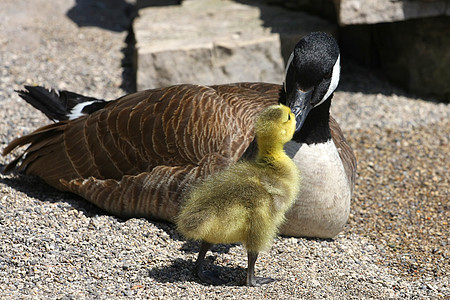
300, 104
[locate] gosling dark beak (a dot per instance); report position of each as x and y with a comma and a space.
300, 104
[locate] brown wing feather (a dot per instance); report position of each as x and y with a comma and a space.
345, 151
146, 148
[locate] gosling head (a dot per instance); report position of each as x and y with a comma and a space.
275, 124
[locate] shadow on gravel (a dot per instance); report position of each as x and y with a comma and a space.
129, 63
114, 15
181, 271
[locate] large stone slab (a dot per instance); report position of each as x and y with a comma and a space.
382, 11
216, 41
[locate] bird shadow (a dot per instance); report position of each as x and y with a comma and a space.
181, 270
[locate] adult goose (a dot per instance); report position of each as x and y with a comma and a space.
137, 156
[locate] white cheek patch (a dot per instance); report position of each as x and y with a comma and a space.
287, 68
334, 80
76, 110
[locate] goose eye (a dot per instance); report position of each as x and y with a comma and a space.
328, 74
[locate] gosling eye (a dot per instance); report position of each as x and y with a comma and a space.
289, 117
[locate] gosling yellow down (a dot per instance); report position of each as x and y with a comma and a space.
247, 202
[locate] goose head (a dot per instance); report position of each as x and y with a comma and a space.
312, 74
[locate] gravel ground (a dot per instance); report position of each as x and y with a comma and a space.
55, 245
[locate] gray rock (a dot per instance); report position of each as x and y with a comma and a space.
211, 42
378, 11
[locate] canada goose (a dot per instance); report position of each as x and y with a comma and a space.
247, 202
135, 156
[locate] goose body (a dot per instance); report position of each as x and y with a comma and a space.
247, 202
138, 155
321, 214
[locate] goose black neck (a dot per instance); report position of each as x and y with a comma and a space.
316, 128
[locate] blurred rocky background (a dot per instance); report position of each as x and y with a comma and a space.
216, 41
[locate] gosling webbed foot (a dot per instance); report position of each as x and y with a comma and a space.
251, 279
258, 281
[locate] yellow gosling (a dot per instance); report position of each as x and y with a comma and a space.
247, 202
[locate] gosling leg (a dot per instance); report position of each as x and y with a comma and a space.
207, 277
252, 280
